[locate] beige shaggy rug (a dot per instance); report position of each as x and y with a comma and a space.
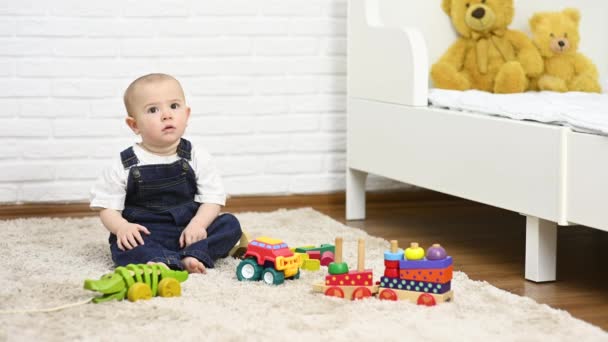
45, 262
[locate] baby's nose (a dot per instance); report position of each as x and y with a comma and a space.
166, 115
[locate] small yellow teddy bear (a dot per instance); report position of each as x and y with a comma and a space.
556, 36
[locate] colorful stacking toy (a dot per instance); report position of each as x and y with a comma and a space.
344, 283
409, 275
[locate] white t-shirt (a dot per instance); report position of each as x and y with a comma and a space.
110, 189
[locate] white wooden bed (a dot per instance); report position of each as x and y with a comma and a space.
551, 174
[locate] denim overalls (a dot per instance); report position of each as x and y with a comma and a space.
160, 197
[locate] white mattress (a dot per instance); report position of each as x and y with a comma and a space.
583, 112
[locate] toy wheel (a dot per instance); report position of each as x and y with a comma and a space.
169, 287
139, 291
387, 294
426, 299
334, 292
273, 277
361, 293
248, 269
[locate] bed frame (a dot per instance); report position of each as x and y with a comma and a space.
551, 174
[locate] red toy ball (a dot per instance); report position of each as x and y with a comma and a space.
426, 299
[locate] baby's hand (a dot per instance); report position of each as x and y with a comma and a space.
129, 237
192, 234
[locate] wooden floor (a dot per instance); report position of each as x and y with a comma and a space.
487, 244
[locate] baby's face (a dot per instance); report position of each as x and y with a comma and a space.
160, 111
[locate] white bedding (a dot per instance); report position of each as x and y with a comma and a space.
583, 112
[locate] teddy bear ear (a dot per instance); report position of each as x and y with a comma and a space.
535, 20
573, 14
446, 5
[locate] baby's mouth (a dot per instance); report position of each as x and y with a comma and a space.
168, 128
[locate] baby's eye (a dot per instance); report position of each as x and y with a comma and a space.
174, 105
152, 110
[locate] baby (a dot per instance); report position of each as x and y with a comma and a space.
162, 198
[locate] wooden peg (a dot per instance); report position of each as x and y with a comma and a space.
338, 255
394, 246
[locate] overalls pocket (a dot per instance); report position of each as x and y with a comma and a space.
162, 194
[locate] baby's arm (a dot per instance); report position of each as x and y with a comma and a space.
128, 234
197, 228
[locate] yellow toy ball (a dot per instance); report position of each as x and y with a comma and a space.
414, 252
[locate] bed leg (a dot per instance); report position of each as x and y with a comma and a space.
541, 249
355, 194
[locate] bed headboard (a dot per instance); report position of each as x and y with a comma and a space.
416, 20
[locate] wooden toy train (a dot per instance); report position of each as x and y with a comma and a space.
407, 275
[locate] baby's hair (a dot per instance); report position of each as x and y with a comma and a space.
128, 96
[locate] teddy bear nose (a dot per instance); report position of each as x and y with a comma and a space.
561, 43
478, 13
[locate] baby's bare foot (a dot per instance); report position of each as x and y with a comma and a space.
193, 265
158, 263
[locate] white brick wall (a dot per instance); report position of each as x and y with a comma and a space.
265, 80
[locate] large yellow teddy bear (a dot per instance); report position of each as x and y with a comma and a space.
556, 36
487, 56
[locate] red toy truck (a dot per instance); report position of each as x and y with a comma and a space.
270, 260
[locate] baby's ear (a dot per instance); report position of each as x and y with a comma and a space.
535, 21
573, 14
446, 5
132, 123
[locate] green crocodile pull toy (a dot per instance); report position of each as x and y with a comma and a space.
136, 282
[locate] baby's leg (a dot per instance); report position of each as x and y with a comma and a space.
149, 252
222, 234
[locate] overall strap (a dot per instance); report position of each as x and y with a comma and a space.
128, 158
184, 149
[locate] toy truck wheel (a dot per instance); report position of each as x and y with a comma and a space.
334, 291
248, 269
169, 287
139, 291
273, 277
387, 295
362, 293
